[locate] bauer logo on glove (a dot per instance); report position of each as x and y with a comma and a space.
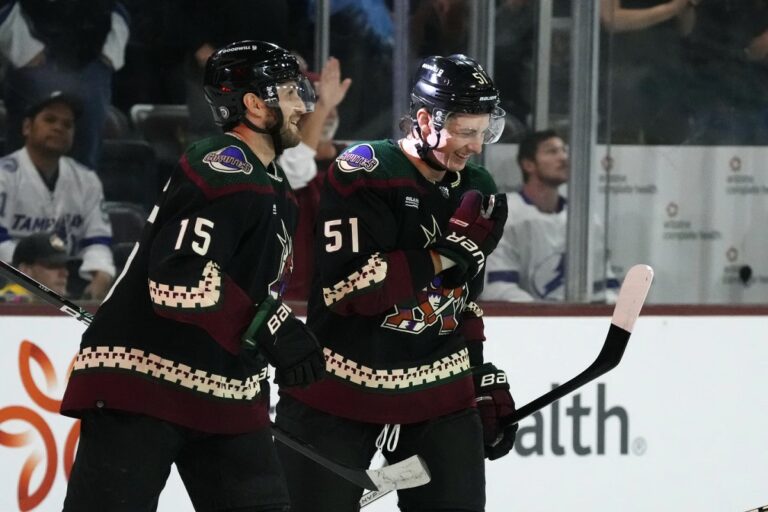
276, 320
495, 405
286, 343
474, 232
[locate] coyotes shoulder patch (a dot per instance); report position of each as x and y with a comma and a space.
358, 157
230, 159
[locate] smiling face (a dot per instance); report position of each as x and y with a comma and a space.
292, 107
265, 115
460, 139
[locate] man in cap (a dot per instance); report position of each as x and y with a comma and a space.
77, 45
43, 190
44, 258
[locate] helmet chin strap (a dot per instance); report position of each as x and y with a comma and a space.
273, 132
423, 148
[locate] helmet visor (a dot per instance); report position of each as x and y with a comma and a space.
495, 127
297, 93
488, 134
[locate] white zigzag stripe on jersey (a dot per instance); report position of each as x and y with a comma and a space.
205, 294
400, 378
373, 272
164, 369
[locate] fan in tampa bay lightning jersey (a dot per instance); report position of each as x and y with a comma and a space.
44, 191
74, 210
529, 263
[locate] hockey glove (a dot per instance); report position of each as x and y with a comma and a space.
472, 234
286, 343
496, 405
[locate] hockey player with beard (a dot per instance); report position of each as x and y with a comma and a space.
403, 233
162, 376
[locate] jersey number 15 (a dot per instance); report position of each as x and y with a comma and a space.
201, 224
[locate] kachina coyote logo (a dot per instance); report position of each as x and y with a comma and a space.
37, 437
436, 304
278, 286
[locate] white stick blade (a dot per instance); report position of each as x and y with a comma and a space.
632, 295
411, 472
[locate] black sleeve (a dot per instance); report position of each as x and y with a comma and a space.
361, 270
188, 259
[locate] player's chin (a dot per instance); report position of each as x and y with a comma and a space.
290, 138
457, 164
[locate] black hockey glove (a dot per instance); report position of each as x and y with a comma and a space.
472, 234
495, 404
286, 343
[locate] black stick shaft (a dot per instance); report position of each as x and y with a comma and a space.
609, 357
357, 476
43, 292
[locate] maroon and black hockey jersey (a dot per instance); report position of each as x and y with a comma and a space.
166, 342
397, 342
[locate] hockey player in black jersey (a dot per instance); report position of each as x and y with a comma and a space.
173, 368
402, 236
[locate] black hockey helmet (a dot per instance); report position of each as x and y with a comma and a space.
457, 84
251, 66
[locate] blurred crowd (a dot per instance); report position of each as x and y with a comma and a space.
115, 87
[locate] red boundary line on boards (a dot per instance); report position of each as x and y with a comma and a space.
495, 309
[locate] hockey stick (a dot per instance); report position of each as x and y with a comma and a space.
411, 472
43, 292
632, 295
764, 508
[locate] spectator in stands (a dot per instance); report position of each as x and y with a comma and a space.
41, 190
300, 164
529, 262
74, 45
644, 70
44, 258
728, 52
